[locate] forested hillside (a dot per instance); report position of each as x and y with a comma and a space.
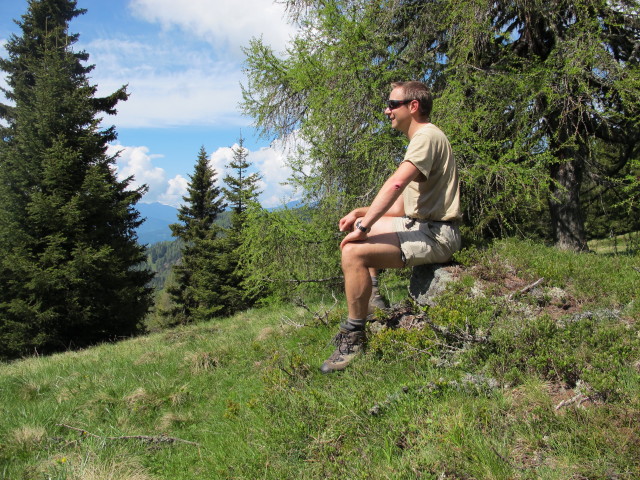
161, 257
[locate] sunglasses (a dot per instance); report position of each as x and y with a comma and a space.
393, 104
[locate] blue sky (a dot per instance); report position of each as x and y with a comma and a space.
182, 62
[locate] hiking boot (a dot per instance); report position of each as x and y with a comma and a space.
375, 301
348, 345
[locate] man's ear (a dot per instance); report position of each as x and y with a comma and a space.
414, 106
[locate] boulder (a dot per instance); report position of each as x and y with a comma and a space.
428, 281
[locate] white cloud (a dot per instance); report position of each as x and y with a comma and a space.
190, 74
177, 188
138, 162
169, 85
270, 163
220, 159
225, 24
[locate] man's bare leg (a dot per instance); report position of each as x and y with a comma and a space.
380, 250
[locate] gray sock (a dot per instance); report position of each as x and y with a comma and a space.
353, 325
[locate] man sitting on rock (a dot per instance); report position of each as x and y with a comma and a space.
413, 220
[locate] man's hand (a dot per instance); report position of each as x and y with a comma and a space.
355, 236
346, 223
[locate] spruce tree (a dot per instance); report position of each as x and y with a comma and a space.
69, 258
242, 188
192, 294
241, 191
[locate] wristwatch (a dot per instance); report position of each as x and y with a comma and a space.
359, 226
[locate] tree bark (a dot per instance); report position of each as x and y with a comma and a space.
567, 220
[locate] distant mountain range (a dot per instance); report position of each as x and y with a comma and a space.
156, 226
158, 218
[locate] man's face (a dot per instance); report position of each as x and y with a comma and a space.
400, 116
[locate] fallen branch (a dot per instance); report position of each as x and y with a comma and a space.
579, 399
142, 438
321, 317
298, 282
527, 288
286, 320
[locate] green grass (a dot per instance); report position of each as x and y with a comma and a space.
247, 389
628, 243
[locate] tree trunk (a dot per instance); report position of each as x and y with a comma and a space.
567, 221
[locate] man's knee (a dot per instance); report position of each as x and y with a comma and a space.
350, 254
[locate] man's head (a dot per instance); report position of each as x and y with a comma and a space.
416, 91
409, 105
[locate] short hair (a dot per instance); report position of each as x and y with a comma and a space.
417, 91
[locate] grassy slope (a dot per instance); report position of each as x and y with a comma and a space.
247, 390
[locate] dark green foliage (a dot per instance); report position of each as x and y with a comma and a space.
161, 257
193, 294
69, 265
611, 197
540, 101
241, 189
203, 202
241, 192
208, 280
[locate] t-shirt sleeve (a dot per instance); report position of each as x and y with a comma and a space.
420, 153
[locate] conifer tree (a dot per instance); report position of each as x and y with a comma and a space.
241, 191
193, 293
242, 188
69, 258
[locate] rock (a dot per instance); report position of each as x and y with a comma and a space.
427, 282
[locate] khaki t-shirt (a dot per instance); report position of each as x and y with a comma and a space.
435, 195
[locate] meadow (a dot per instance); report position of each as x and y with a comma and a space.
528, 367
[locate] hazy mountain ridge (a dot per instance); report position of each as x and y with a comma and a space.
157, 217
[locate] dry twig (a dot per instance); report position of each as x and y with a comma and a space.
457, 336
321, 317
579, 399
528, 288
298, 282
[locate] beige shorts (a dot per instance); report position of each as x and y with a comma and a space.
426, 241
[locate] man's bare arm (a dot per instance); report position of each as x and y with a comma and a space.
346, 222
387, 200
390, 195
